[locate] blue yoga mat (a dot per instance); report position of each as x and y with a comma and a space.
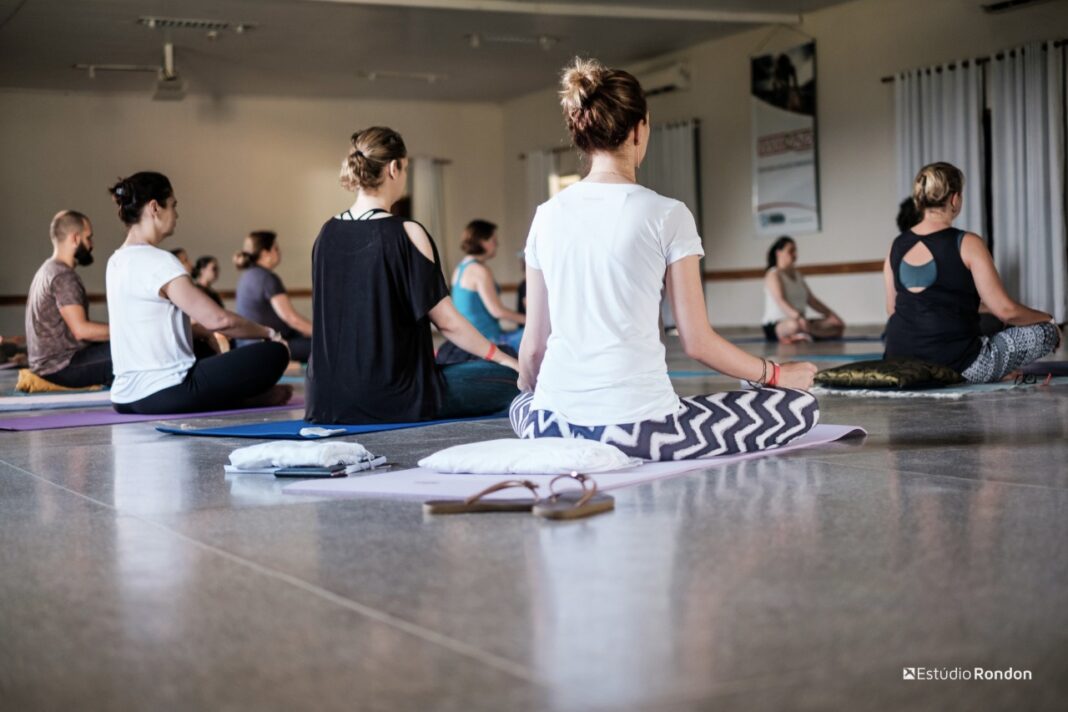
290, 429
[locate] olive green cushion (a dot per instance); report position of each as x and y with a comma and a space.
898, 373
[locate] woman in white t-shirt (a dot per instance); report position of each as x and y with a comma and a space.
787, 298
591, 362
150, 302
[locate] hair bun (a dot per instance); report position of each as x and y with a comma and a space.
601, 105
580, 82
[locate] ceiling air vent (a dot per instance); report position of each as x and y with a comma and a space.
672, 78
184, 23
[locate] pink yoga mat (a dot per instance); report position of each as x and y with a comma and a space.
110, 417
422, 484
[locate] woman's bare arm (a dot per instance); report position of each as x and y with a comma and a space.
192, 300
487, 292
888, 283
536, 333
991, 290
702, 343
283, 307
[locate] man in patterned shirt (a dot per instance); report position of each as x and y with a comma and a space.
65, 347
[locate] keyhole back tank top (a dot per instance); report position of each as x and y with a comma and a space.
939, 321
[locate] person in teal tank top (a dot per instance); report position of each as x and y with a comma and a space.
474, 291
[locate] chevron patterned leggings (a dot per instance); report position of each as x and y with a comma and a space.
704, 426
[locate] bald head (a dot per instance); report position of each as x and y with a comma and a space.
67, 222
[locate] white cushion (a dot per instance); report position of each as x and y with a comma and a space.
540, 456
281, 453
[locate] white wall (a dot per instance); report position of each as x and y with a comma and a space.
247, 163
856, 44
237, 165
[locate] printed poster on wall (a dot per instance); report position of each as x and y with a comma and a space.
785, 175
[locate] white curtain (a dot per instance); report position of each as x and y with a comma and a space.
938, 114
539, 166
670, 168
1027, 112
428, 199
670, 165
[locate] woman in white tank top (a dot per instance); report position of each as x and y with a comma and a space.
787, 297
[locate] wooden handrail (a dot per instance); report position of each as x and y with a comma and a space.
720, 275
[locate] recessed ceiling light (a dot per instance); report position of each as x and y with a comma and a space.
373, 75
545, 42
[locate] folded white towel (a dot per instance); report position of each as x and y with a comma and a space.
284, 453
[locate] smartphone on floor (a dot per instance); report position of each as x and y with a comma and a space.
338, 471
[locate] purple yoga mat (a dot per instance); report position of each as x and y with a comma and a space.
110, 417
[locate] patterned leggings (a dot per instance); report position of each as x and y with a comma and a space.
1011, 349
704, 426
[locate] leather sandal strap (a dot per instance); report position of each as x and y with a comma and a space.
587, 492
506, 484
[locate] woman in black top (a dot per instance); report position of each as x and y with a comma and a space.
377, 286
936, 276
205, 272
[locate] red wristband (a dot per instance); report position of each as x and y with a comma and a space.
491, 352
774, 380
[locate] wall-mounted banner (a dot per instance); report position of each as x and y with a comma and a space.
785, 173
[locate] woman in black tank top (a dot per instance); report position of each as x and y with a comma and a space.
936, 277
377, 287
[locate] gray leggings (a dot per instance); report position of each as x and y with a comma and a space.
1011, 349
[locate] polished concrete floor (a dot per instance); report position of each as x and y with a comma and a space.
136, 575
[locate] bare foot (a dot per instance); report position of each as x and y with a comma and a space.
275, 395
1010, 377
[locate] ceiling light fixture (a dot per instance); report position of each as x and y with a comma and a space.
545, 42
373, 75
169, 86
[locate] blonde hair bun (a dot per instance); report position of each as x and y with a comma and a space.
935, 184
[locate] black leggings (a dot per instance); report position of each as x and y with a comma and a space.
219, 382
299, 347
90, 367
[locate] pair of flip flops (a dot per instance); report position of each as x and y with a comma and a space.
569, 504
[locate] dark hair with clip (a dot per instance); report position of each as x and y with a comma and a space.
134, 193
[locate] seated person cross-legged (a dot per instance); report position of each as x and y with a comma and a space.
65, 347
787, 298
377, 287
592, 364
937, 275
262, 298
478, 297
151, 299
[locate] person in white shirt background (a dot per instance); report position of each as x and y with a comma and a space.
151, 299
